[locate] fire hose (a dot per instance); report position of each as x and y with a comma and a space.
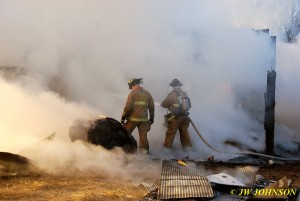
239, 153
202, 138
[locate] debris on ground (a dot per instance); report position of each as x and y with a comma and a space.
97, 187
179, 181
15, 165
104, 131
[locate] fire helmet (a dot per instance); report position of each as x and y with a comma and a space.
176, 83
134, 81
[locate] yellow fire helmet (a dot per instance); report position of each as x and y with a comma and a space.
134, 81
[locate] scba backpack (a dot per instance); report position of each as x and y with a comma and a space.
183, 107
185, 104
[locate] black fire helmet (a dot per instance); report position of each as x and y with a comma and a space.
176, 83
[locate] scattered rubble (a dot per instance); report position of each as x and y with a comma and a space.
234, 182
15, 165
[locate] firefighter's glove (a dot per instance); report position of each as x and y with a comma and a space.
123, 121
151, 120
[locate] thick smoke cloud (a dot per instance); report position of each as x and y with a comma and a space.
78, 56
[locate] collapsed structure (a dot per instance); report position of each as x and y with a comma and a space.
209, 180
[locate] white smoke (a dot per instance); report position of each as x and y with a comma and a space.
78, 56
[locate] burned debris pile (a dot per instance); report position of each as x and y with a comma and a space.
190, 180
15, 165
110, 133
106, 132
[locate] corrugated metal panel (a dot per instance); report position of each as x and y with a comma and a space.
247, 174
152, 191
150, 196
179, 181
150, 187
230, 198
250, 170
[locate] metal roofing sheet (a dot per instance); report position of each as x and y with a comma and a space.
223, 178
180, 181
150, 187
150, 196
247, 175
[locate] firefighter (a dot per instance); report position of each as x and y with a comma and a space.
177, 117
135, 113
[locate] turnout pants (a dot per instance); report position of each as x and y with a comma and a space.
180, 123
143, 128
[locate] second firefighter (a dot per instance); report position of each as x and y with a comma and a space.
178, 104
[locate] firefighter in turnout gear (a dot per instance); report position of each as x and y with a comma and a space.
135, 114
177, 118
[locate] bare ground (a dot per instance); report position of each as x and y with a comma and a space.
61, 188
278, 171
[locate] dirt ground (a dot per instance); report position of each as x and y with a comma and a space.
93, 187
62, 188
278, 171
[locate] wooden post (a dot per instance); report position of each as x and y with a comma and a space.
269, 122
270, 112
